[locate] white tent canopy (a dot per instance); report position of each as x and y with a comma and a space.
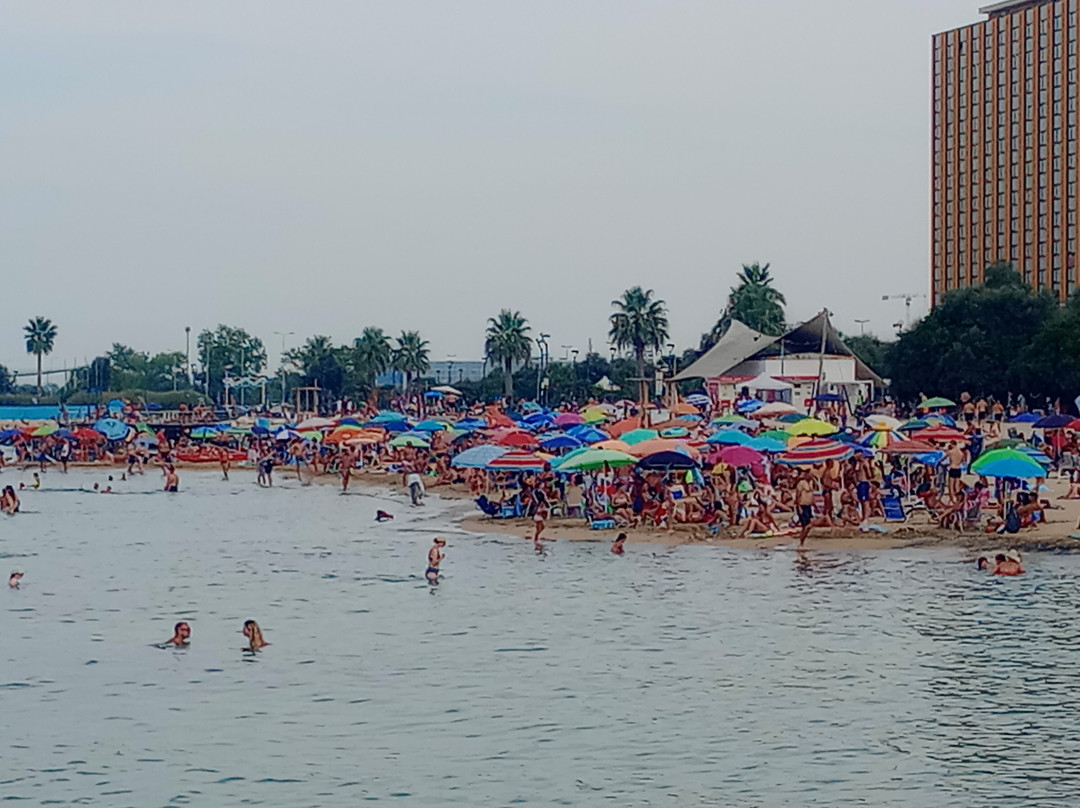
766, 382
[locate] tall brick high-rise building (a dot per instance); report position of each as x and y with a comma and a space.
1004, 170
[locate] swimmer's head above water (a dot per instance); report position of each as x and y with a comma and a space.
13, 581
181, 634
254, 634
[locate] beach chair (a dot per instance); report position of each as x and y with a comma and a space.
894, 508
602, 524
511, 509
488, 507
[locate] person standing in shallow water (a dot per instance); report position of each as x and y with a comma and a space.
434, 559
617, 545
254, 635
172, 481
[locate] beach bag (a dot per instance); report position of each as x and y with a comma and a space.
1012, 520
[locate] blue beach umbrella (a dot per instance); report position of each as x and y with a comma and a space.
430, 426
112, 429
552, 443
768, 445
478, 456
587, 434
1007, 463
1025, 418
205, 432
471, 424
8, 435
729, 437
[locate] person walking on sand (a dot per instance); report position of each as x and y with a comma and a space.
225, 460
435, 556
957, 457
540, 515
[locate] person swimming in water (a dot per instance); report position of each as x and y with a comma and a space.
13, 581
983, 563
172, 481
181, 637
254, 634
1007, 564
383, 516
617, 545
434, 558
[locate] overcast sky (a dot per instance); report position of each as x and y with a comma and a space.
318, 167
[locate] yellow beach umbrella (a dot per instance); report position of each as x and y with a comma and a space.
811, 426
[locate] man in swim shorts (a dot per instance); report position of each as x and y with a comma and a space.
804, 504
172, 481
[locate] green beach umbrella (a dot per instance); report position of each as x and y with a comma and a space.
776, 434
205, 433
409, 440
312, 434
936, 403
45, 429
592, 459
1007, 463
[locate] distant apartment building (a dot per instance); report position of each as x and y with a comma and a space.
1004, 171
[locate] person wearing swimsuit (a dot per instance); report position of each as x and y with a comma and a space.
434, 558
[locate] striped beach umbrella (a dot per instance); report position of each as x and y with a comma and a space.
816, 451
517, 461
881, 438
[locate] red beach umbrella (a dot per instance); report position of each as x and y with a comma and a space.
939, 433
518, 461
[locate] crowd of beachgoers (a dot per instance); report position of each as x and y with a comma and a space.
744, 468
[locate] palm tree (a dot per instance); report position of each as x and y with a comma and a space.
411, 355
373, 353
40, 336
753, 302
639, 323
507, 342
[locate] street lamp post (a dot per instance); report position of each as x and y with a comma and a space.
283, 334
541, 342
187, 361
862, 326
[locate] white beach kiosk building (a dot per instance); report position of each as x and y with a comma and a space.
809, 361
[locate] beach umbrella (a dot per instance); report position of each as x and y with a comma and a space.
348, 421
939, 433
314, 423
286, 434
740, 456
205, 432
614, 444
675, 432
238, 431
656, 445
777, 434
557, 463
914, 424
588, 434
750, 405
111, 428
517, 461
635, 436
700, 400
909, 447
531, 406
939, 419
1007, 463
620, 428
883, 422
666, 461
1025, 418
774, 409
311, 434
552, 443
46, 429
362, 439
881, 438
431, 426
764, 444
432, 394
1008, 443
936, 403
592, 459
731, 419
82, 433
517, 438
1039, 457
792, 418
811, 426
478, 456
816, 451
829, 398
729, 436
565, 419
10, 434
447, 390
685, 408
471, 424
414, 441
1055, 421
594, 415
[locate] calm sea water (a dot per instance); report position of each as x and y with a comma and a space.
681, 677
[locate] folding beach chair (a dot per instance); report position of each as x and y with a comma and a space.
894, 509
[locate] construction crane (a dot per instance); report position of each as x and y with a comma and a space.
907, 303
